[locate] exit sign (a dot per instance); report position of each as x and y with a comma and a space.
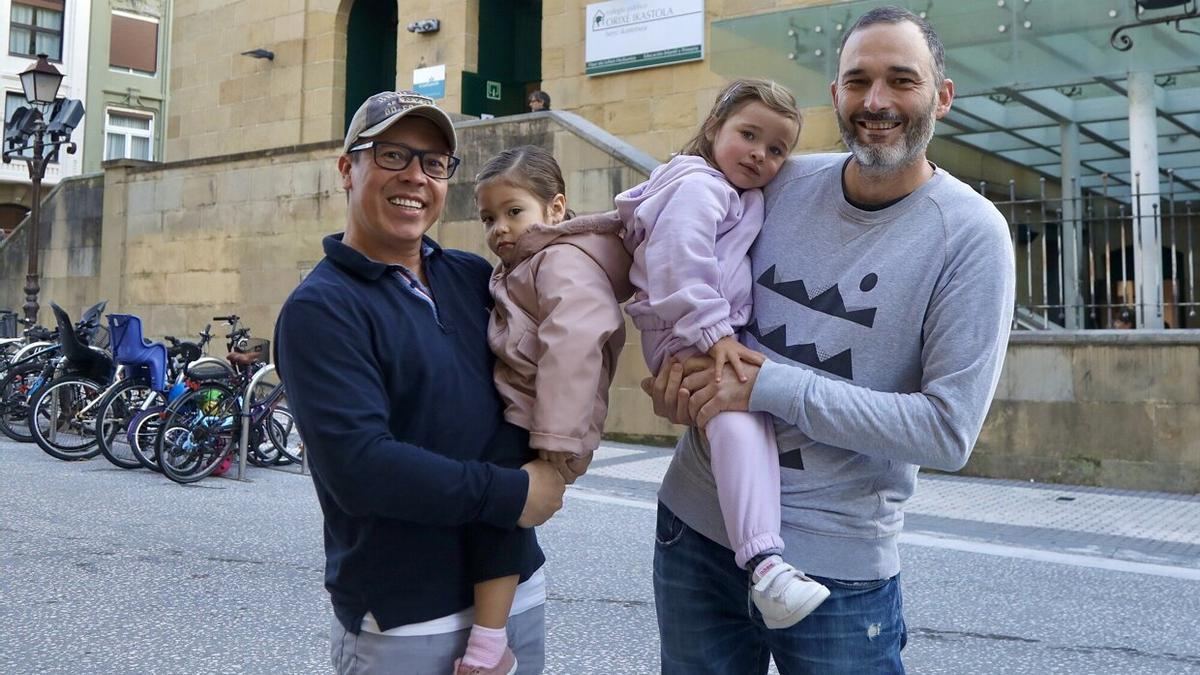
493, 90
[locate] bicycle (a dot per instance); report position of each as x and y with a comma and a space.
28, 369
201, 429
20, 378
61, 414
141, 391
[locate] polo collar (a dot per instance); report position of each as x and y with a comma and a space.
355, 262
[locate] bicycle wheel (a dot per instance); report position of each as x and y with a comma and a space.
284, 435
198, 432
114, 415
142, 435
62, 418
262, 451
15, 391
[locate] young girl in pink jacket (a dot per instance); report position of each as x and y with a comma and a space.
556, 329
690, 228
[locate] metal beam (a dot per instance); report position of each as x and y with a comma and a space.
1162, 114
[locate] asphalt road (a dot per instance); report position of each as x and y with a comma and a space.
111, 571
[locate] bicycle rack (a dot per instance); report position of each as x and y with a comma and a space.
244, 447
246, 401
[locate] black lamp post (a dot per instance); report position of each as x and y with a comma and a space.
40, 82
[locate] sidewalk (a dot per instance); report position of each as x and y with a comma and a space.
1146, 529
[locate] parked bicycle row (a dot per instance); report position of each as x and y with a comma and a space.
83, 389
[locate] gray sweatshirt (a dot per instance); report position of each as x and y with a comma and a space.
885, 333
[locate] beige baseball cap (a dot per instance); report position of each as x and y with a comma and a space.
384, 109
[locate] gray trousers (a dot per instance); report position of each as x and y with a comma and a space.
371, 654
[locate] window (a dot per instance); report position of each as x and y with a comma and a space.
134, 43
128, 135
36, 27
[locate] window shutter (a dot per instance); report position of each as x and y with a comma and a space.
134, 44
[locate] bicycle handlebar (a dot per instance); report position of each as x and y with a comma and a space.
231, 319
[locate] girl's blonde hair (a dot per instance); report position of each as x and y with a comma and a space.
736, 94
529, 167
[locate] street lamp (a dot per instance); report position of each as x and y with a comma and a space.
47, 124
41, 81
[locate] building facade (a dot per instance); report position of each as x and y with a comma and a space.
1081, 121
331, 54
127, 81
59, 29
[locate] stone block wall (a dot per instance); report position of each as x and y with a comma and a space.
1110, 408
223, 102
188, 241
69, 242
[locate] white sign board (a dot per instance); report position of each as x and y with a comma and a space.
430, 81
633, 34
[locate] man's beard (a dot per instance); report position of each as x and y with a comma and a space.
885, 158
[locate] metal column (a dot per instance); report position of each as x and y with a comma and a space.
1072, 227
1143, 162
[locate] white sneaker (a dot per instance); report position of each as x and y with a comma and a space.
783, 594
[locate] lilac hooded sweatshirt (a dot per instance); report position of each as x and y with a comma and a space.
693, 229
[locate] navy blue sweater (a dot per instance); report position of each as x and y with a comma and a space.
397, 409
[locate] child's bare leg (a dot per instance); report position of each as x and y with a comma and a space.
488, 642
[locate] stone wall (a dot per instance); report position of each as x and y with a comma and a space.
187, 241
69, 241
1111, 408
222, 102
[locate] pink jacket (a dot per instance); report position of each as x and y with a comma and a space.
557, 330
690, 232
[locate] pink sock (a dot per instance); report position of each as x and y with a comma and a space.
485, 646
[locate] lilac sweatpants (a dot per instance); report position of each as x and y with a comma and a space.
745, 465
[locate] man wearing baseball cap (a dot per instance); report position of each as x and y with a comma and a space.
384, 351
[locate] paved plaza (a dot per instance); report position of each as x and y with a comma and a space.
111, 571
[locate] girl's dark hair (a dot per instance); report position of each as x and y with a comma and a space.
529, 167
731, 99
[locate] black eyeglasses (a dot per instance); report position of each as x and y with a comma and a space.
397, 157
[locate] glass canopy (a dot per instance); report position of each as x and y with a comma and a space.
1022, 68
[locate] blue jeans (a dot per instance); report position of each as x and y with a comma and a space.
708, 625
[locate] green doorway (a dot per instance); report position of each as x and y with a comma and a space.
370, 52
510, 58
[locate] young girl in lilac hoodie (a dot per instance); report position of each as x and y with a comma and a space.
690, 228
557, 330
